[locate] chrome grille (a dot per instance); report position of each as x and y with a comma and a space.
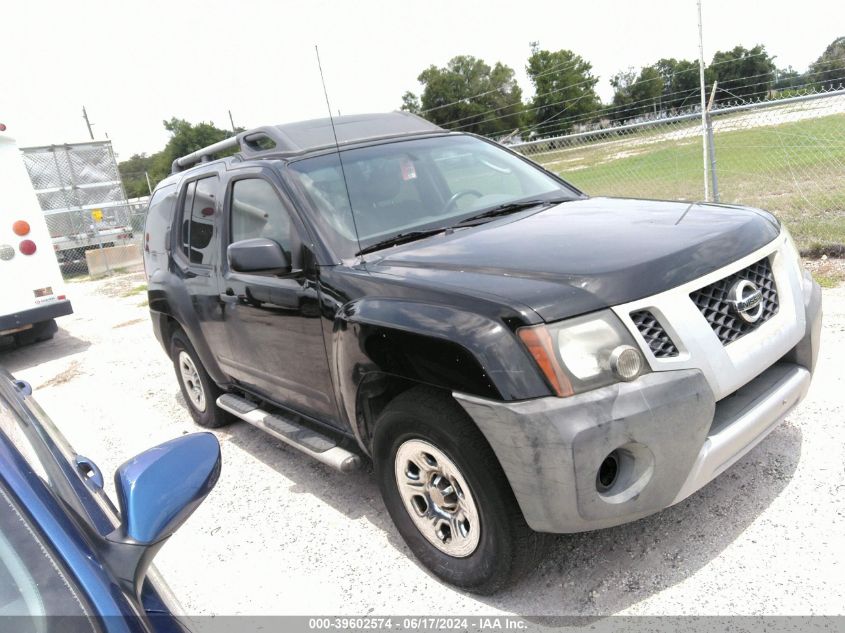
659, 341
712, 300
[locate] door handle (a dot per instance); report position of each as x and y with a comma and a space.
229, 296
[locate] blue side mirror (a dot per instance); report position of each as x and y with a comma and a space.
160, 488
157, 491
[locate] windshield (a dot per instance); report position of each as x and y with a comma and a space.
399, 187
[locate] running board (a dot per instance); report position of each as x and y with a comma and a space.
320, 447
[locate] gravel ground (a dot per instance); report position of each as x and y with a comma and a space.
282, 534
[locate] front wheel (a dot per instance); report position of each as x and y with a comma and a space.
447, 494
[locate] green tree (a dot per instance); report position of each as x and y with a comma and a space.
132, 172
829, 69
469, 95
636, 94
786, 78
743, 73
681, 83
622, 82
185, 138
564, 90
410, 102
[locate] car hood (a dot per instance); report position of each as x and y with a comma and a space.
584, 255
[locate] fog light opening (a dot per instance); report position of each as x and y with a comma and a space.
608, 472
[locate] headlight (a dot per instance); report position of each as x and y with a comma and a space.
584, 353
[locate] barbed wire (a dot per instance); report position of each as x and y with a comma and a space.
611, 110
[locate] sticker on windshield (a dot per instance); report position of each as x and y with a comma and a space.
409, 172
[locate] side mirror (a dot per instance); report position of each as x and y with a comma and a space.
258, 254
157, 491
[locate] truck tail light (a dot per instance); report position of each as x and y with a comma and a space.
27, 247
147, 242
21, 228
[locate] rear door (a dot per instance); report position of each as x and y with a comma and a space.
273, 321
196, 260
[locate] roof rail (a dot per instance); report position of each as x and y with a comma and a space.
250, 143
206, 153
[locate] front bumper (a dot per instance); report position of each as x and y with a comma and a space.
671, 433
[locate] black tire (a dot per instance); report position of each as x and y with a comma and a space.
507, 547
42, 331
209, 416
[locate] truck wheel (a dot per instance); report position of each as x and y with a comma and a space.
447, 494
42, 331
197, 387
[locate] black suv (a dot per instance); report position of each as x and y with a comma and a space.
515, 358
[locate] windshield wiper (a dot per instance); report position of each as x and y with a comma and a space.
400, 238
508, 208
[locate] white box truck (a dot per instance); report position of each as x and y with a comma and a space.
32, 292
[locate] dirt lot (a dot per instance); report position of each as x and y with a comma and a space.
283, 534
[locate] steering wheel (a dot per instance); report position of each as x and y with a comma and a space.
460, 194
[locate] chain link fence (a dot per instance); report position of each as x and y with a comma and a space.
786, 156
94, 229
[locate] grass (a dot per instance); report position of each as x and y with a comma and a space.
136, 290
829, 281
796, 170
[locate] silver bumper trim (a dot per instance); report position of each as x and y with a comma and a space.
740, 424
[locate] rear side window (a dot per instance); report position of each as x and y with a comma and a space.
198, 216
258, 212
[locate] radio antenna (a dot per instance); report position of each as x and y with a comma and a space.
337, 147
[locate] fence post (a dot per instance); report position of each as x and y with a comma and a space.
703, 90
711, 147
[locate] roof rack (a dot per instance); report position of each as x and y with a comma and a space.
251, 142
297, 138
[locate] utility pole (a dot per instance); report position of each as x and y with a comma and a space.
149, 185
232, 121
87, 123
704, 143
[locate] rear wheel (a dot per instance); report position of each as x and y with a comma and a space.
43, 331
447, 494
198, 389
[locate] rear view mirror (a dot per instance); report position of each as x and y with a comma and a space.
157, 491
258, 254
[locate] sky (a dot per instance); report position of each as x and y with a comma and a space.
133, 64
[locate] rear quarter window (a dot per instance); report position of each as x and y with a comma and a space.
160, 217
